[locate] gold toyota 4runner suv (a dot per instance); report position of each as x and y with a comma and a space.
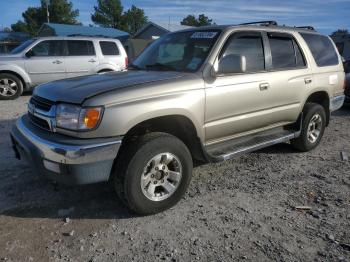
206, 94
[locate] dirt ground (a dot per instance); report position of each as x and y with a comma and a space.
243, 209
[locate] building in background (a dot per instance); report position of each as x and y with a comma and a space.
10, 40
51, 29
147, 34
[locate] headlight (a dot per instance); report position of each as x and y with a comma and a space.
77, 118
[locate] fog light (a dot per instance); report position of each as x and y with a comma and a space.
52, 166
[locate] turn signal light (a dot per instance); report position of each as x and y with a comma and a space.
92, 116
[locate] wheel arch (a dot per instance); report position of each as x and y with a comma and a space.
321, 98
179, 126
24, 84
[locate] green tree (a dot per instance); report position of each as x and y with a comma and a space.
202, 20
110, 13
61, 12
134, 19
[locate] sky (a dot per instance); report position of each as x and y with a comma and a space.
325, 15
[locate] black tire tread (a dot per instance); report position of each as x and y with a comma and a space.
299, 143
123, 162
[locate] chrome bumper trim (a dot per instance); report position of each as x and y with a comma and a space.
70, 154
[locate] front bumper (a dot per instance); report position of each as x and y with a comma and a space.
64, 159
336, 102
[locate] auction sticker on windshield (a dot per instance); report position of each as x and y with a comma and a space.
204, 35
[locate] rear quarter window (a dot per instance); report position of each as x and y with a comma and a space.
109, 48
322, 49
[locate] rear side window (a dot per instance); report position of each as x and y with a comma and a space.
285, 52
322, 49
80, 48
249, 45
109, 48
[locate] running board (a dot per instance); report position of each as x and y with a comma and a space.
229, 149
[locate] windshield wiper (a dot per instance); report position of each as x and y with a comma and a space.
161, 66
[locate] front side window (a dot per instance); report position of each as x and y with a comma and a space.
249, 45
285, 52
80, 48
109, 48
322, 49
183, 51
49, 48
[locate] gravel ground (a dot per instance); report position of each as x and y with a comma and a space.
243, 209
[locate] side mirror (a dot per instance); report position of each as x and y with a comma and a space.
231, 64
29, 54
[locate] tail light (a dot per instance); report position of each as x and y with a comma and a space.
126, 62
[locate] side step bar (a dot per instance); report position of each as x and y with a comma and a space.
229, 149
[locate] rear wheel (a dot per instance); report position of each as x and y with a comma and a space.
11, 87
153, 173
313, 126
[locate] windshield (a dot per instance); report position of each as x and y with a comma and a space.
183, 51
23, 46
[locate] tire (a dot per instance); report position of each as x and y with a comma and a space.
11, 87
312, 113
134, 170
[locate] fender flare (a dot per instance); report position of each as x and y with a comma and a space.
18, 71
107, 67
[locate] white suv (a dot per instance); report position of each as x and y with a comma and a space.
41, 60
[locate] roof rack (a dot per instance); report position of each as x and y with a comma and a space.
264, 23
308, 27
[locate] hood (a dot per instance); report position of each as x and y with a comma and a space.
8, 57
76, 90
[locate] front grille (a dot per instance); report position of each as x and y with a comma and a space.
39, 122
41, 103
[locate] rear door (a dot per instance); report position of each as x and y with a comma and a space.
47, 61
289, 76
81, 58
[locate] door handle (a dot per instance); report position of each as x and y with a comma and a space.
308, 80
57, 62
264, 86
92, 61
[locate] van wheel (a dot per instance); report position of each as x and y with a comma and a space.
313, 126
11, 87
153, 173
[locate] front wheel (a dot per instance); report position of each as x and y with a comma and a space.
153, 173
10, 87
313, 126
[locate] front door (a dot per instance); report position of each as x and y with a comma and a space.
46, 62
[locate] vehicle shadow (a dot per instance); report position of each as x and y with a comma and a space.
344, 111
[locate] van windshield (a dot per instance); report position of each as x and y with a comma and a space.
22, 47
183, 51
